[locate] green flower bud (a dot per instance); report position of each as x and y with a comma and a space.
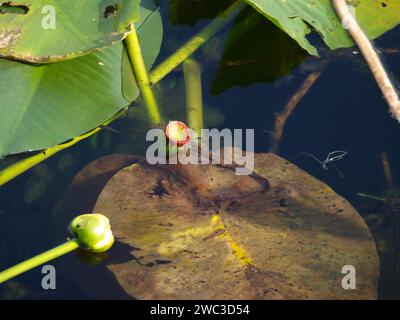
93, 232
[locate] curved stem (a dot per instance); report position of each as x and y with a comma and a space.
282, 117
24, 165
135, 55
387, 170
195, 43
38, 260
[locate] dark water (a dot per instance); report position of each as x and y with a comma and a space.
344, 110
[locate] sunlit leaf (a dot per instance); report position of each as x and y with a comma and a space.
299, 17
44, 105
47, 104
52, 30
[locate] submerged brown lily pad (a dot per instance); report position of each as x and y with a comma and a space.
201, 232
83, 191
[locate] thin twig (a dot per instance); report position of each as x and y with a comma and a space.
388, 172
282, 117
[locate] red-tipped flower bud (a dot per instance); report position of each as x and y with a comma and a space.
177, 133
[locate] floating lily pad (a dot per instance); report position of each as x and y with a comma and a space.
44, 105
46, 31
201, 232
83, 191
85, 269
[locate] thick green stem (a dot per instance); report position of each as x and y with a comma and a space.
92, 232
39, 260
194, 95
195, 43
142, 78
24, 165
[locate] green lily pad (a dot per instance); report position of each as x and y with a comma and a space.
299, 17
201, 232
53, 30
83, 191
44, 105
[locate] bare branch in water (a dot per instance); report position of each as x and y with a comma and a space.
388, 172
281, 118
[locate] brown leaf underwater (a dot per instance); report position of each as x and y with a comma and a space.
201, 232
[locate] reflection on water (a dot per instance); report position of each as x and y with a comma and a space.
344, 110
